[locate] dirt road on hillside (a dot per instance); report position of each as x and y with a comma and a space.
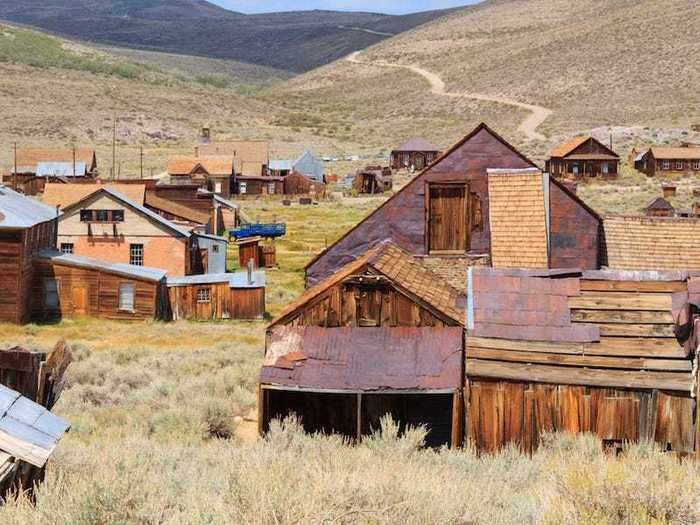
528, 127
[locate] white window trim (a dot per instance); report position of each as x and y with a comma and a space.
665, 164
121, 307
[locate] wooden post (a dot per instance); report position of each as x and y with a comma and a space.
261, 410
457, 419
359, 417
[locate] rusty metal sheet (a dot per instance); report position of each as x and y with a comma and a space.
366, 359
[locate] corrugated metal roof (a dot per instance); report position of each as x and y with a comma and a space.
20, 211
213, 237
364, 359
235, 280
127, 270
280, 165
308, 166
28, 431
416, 144
61, 169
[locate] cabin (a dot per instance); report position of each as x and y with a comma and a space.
239, 295
670, 161
659, 207
32, 168
373, 179
381, 336
30, 384
444, 215
414, 155
26, 228
258, 185
297, 184
310, 167
67, 286
604, 352
251, 158
583, 157
213, 173
108, 226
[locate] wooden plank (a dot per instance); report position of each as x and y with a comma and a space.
524, 346
633, 286
677, 381
635, 363
633, 347
635, 330
621, 317
457, 408
622, 301
358, 424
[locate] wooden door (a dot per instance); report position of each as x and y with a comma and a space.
80, 300
447, 218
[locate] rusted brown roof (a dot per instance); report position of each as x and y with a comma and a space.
518, 219
249, 156
659, 203
666, 153
64, 195
173, 208
28, 158
402, 269
568, 147
652, 243
214, 165
416, 144
364, 359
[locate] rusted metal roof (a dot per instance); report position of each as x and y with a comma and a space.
569, 146
221, 165
28, 158
364, 359
416, 144
64, 195
175, 208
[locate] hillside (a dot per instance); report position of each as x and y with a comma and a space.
593, 63
290, 41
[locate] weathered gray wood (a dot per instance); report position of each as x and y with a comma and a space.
622, 301
621, 317
524, 346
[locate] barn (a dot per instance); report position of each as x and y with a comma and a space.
26, 227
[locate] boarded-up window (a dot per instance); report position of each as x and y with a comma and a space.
126, 297
51, 294
447, 218
477, 223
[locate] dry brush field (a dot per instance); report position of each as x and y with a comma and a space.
164, 432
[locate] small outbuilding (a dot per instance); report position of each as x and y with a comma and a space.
373, 179
414, 154
659, 207
297, 184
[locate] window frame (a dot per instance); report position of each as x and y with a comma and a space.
666, 165
242, 187
467, 214
203, 295
680, 165
121, 306
109, 216
133, 256
56, 292
271, 188
696, 165
67, 248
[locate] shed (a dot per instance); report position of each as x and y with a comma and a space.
212, 253
238, 295
603, 352
66, 285
373, 179
344, 380
297, 184
309, 166
659, 207
415, 154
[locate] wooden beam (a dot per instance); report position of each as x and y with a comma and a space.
457, 419
262, 413
676, 381
634, 286
524, 346
634, 347
621, 317
635, 330
622, 301
668, 365
358, 427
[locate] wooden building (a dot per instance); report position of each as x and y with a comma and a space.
382, 335
583, 157
32, 168
659, 207
65, 286
297, 184
26, 228
108, 226
415, 154
373, 179
60, 195
30, 384
444, 215
258, 185
239, 295
214, 173
672, 161
251, 158
603, 352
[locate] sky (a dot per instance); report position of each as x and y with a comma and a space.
374, 6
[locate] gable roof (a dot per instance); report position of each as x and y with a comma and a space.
309, 166
63, 195
364, 359
151, 200
517, 215
139, 208
249, 156
28, 431
61, 169
659, 203
220, 165
568, 147
417, 179
669, 153
416, 144
403, 270
29, 158
652, 243
143, 273
20, 211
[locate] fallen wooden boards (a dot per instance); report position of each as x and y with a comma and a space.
635, 379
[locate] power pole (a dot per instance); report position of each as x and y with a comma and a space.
141, 155
74, 161
114, 146
14, 174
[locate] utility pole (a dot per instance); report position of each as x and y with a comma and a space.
14, 174
141, 155
73, 160
114, 146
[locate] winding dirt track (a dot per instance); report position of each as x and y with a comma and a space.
528, 127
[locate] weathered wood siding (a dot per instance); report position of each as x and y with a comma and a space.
224, 302
91, 292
